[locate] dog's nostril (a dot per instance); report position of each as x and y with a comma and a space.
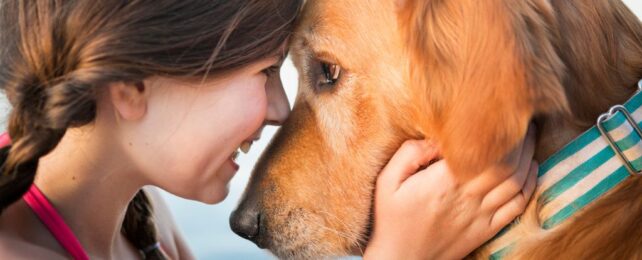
246, 223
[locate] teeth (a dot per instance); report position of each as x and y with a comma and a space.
234, 155
245, 147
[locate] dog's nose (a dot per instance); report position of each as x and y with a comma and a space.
246, 222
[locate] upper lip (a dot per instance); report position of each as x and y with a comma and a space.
253, 139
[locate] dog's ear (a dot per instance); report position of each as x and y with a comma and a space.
482, 70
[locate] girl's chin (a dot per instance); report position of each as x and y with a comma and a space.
216, 188
217, 195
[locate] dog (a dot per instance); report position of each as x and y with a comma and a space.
470, 75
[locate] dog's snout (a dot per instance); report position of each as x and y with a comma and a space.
246, 222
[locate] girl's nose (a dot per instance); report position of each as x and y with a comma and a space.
278, 105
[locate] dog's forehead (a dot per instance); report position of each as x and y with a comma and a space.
342, 27
352, 15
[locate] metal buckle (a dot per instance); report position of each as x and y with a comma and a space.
609, 138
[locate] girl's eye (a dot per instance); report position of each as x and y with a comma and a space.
331, 73
271, 70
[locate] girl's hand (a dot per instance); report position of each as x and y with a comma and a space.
431, 214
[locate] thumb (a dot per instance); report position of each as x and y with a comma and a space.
410, 157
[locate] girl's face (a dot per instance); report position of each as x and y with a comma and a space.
187, 140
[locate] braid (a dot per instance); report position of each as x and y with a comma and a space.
139, 228
32, 139
35, 133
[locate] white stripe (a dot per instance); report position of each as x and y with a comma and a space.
637, 115
588, 183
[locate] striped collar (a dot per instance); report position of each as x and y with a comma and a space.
584, 170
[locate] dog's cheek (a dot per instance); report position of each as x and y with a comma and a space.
319, 207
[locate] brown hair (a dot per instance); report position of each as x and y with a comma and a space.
56, 54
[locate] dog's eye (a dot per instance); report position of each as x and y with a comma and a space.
331, 73
325, 76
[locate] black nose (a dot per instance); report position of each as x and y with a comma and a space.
246, 222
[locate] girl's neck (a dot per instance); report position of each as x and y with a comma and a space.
90, 183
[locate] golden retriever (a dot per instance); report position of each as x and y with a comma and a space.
468, 74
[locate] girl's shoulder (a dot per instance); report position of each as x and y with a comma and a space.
18, 238
170, 236
15, 248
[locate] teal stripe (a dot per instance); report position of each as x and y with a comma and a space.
629, 141
614, 122
586, 168
634, 103
569, 150
575, 176
604, 186
502, 252
505, 230
637, 163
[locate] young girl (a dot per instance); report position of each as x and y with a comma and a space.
111, 96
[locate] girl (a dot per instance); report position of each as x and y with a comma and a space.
111, 96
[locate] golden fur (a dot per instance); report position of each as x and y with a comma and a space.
469, 75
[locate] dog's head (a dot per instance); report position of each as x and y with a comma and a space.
311, 192
469, 75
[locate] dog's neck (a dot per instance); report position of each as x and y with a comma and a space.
555, 131
599, 71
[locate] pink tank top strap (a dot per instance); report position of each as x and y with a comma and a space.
54, 222
5, 140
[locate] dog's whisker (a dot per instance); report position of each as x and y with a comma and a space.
355, 241
337, 232
339, 220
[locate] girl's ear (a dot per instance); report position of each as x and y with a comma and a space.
129, 99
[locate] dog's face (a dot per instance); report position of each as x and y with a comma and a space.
314, 184
311, 194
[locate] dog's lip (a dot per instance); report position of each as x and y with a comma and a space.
260, 244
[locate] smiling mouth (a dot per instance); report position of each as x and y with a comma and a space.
243, 148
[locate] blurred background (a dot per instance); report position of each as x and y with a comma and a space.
205, 227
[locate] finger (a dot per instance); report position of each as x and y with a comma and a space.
507, 213
495, 176
436, 172
411, 156
526, 157
509, 188
531, 182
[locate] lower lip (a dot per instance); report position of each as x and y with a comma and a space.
234, 165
